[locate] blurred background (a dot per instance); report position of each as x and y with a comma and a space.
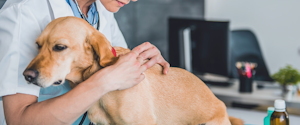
147, 20
218, 40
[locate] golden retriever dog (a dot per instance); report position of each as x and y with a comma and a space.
178, 98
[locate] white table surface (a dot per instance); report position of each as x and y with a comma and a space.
265, 96
269, 94
253, 117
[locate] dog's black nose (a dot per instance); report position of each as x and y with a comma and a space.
30, 75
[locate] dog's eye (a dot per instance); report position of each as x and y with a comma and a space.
38, 45
59, 47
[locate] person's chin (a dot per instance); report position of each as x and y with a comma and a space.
113, 9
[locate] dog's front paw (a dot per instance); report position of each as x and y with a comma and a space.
92, 123
96, 119
97, 116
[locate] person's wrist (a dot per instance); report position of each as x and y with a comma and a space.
105, 80
97, 81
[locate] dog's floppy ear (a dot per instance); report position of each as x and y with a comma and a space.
102, 48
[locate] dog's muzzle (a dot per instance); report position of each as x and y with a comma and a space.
31, 76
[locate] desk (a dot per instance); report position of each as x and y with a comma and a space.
264, 96
254, 117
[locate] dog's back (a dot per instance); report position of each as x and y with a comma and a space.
184, 98
176, 98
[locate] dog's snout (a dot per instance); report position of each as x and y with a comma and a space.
30, 75
35, 83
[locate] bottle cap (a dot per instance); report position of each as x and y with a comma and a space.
279, 104
271, 109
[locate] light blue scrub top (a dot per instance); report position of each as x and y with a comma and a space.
54, 91
92, 13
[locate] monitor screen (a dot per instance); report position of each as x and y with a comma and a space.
208, 45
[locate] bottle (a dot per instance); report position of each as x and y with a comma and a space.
279, 116
268, 117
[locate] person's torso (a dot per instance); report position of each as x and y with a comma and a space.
44, 12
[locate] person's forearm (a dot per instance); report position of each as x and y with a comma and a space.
64, 109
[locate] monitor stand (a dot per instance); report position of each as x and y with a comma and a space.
215, 80
187, 50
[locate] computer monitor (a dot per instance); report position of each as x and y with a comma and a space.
200, 46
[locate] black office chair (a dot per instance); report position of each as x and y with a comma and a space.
244, 46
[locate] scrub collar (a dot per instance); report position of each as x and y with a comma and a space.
92, 13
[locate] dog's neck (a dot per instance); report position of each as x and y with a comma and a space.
91, 70
79, 75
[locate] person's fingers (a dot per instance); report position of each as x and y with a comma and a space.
131, 56
165, 65
134, 54
166, 68
159, 60
139, 60
147, 50
141, 48
141, 78
142, 69
151, 62
151, 52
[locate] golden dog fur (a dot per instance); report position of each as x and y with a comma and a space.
178, 98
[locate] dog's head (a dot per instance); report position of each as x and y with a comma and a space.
68, 47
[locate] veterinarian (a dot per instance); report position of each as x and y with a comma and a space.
22, 21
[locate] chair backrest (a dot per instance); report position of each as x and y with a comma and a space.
244, 46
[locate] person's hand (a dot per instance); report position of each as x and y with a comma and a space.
128, 70
125, 73
149, 51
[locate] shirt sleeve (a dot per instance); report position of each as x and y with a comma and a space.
117, 36
18, 31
